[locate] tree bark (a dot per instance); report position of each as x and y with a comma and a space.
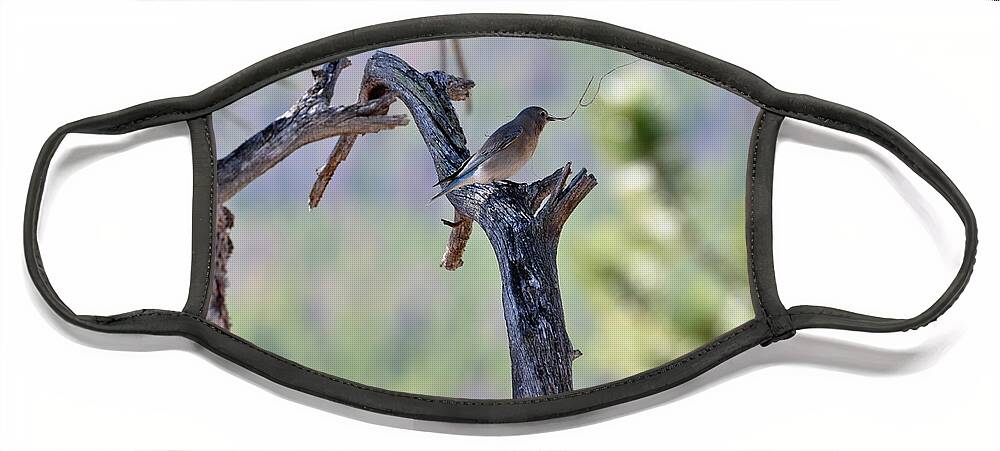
456, 89
215, 308
524, 237
461, 230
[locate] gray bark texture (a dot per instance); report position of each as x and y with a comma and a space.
215, 309
455, 89
310, 119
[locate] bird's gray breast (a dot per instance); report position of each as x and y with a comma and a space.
505, 164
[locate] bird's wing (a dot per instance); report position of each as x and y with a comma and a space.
498, 141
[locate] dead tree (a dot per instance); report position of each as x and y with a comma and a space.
522, 221
524, 232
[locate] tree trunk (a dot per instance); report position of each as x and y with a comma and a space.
524, 237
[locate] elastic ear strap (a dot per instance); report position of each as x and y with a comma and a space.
32, 209
858, 123
113, 123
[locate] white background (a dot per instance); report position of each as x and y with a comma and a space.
852, 228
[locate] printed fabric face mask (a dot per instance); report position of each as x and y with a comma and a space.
606, 198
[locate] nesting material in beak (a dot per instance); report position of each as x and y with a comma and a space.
580, 103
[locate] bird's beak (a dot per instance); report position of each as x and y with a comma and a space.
551, 118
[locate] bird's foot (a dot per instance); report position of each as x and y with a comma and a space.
509, 183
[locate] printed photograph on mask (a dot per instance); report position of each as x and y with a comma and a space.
491, 217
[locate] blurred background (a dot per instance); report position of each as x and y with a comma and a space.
652, 264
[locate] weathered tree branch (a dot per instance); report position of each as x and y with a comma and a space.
461, 230
325, 174
308, 120
454, 88
426, 96
523, 232
457, 89
215, 308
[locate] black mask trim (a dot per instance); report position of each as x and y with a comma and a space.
760, 171
772, 322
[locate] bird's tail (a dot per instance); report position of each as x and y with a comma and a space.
454, 175
451, 186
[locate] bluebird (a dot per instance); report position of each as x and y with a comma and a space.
503, 154
507, 150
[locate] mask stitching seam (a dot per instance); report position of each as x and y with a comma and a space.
212, 209
753, 221
668, 367
827, 312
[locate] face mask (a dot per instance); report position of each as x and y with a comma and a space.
606, 198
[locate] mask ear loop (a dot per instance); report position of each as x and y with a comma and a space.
855, 122
148, 321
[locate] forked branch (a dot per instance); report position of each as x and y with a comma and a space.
308, 120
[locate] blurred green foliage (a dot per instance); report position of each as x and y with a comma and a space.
652, 264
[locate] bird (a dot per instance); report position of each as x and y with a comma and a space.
503, 154
510, 147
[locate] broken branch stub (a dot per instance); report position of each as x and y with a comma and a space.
215, 307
